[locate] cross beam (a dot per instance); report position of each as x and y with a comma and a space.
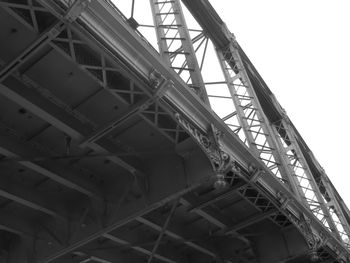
249, 221
138, 248
29, 198
176, 236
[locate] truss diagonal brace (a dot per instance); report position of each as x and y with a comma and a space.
162, 232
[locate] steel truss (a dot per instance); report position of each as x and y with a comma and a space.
275, 145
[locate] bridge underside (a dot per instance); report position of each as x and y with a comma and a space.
96, 168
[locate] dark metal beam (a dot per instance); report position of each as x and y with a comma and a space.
123, 117
57, 117
72, 13
18, 226
177, 237
203, 203
162, 232
29, 198
102, 256
208, 213
45, 114
14, 149
214, 216
31, 50
138, 248
249, 221
126, 213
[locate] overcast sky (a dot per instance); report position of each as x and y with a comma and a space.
302, 50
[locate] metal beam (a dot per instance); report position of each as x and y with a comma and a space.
124, 116
57, 117
73, 12
162, 232
127, 114
14, 224
94, 256
215, 217
201, 204
209, 214
200, 120
176, 236
14, 149
249, 221
29, 198
46, 38
127, 212
31, 50
138, 248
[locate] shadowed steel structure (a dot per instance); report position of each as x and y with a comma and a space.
139, 131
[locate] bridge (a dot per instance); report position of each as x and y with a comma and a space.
124, 140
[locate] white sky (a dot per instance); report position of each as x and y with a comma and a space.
301, 48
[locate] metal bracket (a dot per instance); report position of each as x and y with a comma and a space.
210, 144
